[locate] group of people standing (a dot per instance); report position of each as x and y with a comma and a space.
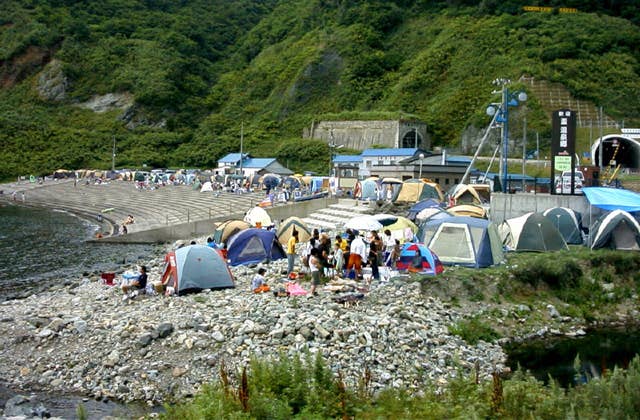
346, 255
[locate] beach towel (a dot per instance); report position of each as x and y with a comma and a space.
294, 289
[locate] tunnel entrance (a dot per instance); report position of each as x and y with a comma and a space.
617, 150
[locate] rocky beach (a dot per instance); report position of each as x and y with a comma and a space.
83, 338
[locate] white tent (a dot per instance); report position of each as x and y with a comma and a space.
206, 187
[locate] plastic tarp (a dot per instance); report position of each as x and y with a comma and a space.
612, 198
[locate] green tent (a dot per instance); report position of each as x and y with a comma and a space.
531, 232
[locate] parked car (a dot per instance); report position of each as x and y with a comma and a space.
563, 183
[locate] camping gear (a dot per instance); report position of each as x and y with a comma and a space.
257, 215
417, 258
477, 194
263, 288
612, 198
615, 230
468, 210
432, 213
531, 232
568, 222
415, 190
206, 187
294, 289
197, 267
364, 222
421, 205
463, 240
107, 278
286, 228
252, 246
227, 229
368, 189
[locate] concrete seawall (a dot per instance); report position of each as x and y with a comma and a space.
206, 227
507, 206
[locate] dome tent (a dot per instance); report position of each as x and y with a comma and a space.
463, 240
615, 230
417, 258
197, 267
227, 229
285, 230
568, 222
531, 232
252, 246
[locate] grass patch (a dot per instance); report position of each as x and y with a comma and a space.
472, 330
307, 389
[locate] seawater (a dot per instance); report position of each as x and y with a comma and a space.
40, 248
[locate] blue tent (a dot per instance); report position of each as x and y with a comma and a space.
252, 246
463, 240
198, 267
612, 198
421, 205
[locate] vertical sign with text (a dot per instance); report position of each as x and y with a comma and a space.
563, 151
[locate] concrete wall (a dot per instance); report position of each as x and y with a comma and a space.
188, 231
507, 206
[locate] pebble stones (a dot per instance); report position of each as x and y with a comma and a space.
155, 348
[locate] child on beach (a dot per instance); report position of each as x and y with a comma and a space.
259, 283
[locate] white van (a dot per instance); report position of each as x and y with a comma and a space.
563, 182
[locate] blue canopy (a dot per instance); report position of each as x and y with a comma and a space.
612, 198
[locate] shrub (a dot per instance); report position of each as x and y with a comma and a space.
473, 330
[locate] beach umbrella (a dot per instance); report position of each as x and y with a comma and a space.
364, 222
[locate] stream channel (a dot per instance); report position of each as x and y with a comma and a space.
598, 351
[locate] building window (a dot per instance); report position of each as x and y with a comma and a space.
446, 181
437, 180
380, 162
456, 181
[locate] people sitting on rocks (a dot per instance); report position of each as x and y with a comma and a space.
137, 285
259, 283
123, 230
129, 220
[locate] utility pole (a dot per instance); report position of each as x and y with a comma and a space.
113, 155
241, 141
524, 150
601, 147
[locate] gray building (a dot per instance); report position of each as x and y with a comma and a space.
362, 135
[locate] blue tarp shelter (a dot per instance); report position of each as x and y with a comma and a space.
612, 198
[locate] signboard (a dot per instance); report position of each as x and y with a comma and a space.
562, 163
563, 148
549, 9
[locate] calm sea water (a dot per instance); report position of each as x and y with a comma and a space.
39, 248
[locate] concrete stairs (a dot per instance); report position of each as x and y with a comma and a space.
336, 215
168, 205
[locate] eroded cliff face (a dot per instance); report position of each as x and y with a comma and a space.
19, 67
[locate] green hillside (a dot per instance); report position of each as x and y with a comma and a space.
195, 70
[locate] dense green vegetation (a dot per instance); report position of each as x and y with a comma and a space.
307, 389
304, 387
197, 69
